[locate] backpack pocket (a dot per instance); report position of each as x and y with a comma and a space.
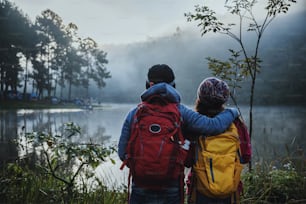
218, 174
182, 156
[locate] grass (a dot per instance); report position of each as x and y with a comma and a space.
279, 181
21, 184
273, 182
58, 170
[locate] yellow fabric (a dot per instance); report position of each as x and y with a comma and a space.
218, 167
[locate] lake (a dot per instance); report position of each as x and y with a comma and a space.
277, 131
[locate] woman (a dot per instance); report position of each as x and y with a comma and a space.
212, 94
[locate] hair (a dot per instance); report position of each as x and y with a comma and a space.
208, 109
148, 84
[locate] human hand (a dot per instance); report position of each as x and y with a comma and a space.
234, 111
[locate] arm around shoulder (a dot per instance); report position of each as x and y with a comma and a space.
233, 111
224, 119
205, 125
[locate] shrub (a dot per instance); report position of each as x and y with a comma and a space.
275, 184
55, 169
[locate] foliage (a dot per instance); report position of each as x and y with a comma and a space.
62, 169
20, 184
14, 26
94, 66
51, 51
244, 62
51, 45
278, 182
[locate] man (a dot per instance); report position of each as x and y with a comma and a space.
161, 81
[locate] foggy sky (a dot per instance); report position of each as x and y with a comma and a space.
187, 51
125, 21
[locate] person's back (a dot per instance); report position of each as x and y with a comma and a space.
154, 152
161, 83
217, 168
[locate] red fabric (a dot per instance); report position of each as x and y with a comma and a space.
155, 157
245, 141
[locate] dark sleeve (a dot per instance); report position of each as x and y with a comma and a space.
125, 134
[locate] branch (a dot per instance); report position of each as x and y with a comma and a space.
52, 171
77, 172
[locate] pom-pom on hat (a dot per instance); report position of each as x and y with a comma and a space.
213, 91
161, 73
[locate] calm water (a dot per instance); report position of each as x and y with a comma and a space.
277, 131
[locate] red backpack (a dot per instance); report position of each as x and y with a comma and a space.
245, 141
154, 152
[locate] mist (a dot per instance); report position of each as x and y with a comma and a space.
283, 51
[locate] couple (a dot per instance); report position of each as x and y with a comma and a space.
212, 94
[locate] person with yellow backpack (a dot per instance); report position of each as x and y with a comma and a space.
217, 161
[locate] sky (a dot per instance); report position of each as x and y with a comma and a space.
115, 21
122, 21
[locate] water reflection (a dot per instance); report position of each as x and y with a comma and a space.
100, 126
278, 131
8, 132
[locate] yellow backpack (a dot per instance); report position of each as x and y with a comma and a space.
217, 168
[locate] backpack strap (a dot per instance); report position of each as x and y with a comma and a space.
129, 186
235, 198
191, 197
200, 145
182, 193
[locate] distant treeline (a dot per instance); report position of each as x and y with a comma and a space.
46, 57
281, 81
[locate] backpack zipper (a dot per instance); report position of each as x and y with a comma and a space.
211, 170
161, 147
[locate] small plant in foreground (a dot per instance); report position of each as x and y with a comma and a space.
62, 168
275, 184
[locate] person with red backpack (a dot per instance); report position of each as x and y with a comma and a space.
152, 145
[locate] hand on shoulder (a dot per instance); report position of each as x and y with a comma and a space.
234, 111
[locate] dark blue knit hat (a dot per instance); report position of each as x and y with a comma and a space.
161, 73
